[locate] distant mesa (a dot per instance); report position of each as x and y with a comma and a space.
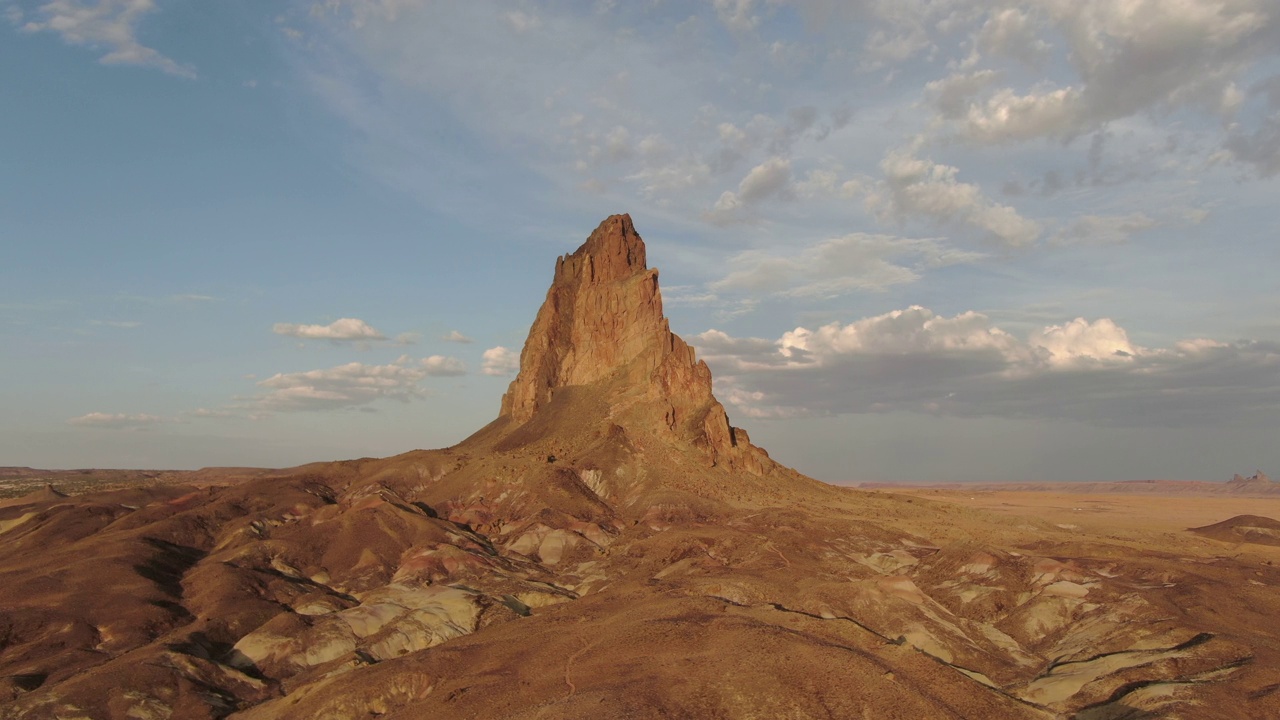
1259, 478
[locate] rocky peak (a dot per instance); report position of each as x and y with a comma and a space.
603, 311
614, 251
602, 324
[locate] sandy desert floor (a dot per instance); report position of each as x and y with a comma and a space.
1145, 519
1108, 512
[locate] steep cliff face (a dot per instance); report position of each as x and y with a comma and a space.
602, 324
602, 312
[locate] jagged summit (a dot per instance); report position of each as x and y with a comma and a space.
1258, 477
615, 249
603, 310
602, 325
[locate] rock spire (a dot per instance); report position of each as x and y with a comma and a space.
602, 324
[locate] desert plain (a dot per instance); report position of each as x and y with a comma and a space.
1155, 519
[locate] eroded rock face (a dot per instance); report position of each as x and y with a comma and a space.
602, 312
602, 322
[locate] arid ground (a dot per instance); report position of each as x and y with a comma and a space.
1157, 519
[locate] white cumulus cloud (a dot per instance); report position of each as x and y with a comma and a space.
771, 178
443, 366
1123, 59
915, 330
917, 361
1007, 115
916, 188
1081, 342
350, 385
342, 329
499, 361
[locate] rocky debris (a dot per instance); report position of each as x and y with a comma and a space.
389, 622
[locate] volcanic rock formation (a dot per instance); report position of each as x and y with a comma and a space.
602, 324
609, 546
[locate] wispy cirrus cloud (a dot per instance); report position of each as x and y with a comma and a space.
210, 413
353, 385
779, 146
175, 299
118, 421
1105, 229
408, 338
109, 25
839, 266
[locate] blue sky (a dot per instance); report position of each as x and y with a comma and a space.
920, 240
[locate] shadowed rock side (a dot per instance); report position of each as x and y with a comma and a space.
610, 547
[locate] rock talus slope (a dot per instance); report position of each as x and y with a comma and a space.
610, 546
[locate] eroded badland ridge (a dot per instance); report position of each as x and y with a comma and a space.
610, 546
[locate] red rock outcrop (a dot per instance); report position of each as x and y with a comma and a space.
602, 323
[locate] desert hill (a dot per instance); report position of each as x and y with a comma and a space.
1244, 528
609, 546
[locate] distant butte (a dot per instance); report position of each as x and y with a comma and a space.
610, 546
